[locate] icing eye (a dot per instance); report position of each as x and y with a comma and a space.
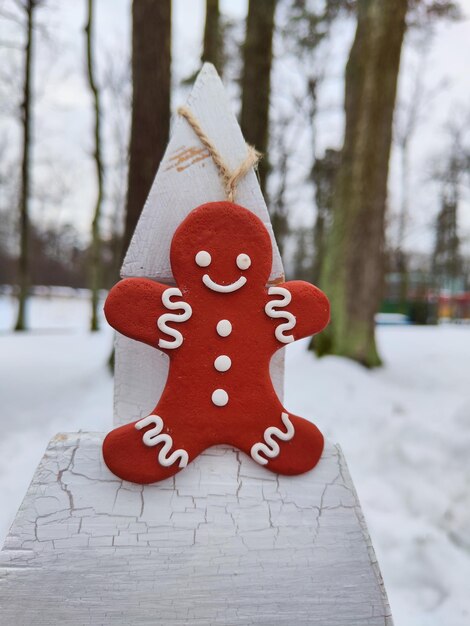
243, 261
203, 258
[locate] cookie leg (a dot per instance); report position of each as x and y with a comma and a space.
291, 445
144, 451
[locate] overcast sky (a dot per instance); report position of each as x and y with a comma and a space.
63, 130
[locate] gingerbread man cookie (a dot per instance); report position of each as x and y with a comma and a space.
220, 327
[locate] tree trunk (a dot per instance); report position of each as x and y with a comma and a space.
95, 257
151, 82
212, 51
352, 275
256, 81
401, 256
323, 175
447, 265
24, 265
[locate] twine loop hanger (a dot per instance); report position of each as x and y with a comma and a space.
230, 179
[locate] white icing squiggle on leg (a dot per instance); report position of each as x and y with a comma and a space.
271, 311
153, 437
271, 448
172, 317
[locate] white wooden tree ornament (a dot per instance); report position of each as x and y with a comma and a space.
224, 541
186, 178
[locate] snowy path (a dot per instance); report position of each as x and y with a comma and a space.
405, 431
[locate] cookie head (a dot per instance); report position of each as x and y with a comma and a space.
221, 248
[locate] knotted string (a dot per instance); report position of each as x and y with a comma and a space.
229, 178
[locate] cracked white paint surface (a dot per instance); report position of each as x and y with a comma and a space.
223, 542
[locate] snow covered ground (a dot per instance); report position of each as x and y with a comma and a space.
405, 431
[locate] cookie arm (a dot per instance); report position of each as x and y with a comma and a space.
138, 308
301, 308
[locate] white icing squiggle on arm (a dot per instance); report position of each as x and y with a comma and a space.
271, 311
271, 448
172, 317
153, 437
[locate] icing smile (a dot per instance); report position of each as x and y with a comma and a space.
238, 284
204, 259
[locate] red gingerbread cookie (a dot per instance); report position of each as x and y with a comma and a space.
220, 328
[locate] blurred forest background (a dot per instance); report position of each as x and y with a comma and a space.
332, 92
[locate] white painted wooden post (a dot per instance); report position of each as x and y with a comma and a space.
224, 542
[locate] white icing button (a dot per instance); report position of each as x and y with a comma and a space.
243, 261
224, 328
220, 397
203, 258
223, 363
